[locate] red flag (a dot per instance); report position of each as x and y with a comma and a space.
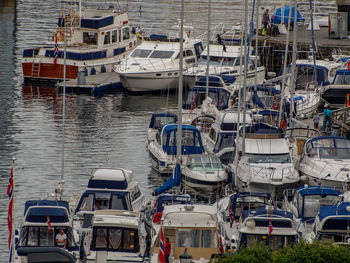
48, 223
270, 227
221, 246
161, 255
55, 52
231, 215
10, 208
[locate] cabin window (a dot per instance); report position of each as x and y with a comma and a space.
206, 239
119, 35
115, 239
141, 53
87, 203
114, 36
33, 236
161, 54
269, 158
228, 61
187, 238
300, 205
212, 135
101, 238
102, 201
188, 53
107, 38
46, 237
135, 193
117, 203
126, 33
187, 138
90, 38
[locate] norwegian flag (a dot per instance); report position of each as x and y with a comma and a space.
270, 227
161, 247
56, 52
221, 246
10, 208
48, 223
231, 215
192, 104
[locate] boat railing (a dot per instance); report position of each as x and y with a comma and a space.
341, 117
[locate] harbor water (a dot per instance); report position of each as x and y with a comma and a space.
110, 130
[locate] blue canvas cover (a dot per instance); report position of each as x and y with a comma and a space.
171, 199
215, 81
341, 219
170, 146
263, 128
174, 180
107, 184
39, 214
317, 190
262, 211
57, 203
277, 16
234, 197
154, 117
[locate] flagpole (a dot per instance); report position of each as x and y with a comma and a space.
12, 252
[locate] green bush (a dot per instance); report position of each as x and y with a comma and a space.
300, 253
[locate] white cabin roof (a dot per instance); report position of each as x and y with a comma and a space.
217, 50
112, 174
232, 117
190, 216
325, 63
165, 45
266, 146
116, 218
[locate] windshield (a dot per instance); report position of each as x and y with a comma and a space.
269, 158
206, 164
161, 121
342, 79
329, 148
141, 53
312, 203
273, 242
225, 141
161, 54
217, 61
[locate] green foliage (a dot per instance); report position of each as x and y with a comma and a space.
300, 253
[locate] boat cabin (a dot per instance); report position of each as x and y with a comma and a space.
332, 223
189, 226
191, 140
342, 77
109, 188
274, 227
157, 122
36, 231
305, 202
301, 135
167, 199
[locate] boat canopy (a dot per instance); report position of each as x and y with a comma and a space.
110, 178
174, 180
342, 77
39, 214
328, 147
191, 140
249, 197
309, 200
335, 217
197, 94
263, 212
277, 16
158, 120
263, 128
305, 74
51, 203
224, 140
168, 199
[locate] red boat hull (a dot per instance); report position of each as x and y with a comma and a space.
48, 71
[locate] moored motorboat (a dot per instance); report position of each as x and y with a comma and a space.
43, 222
154, 65
158, 120
95, 42
325, 160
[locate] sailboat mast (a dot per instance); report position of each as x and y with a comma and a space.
293, 80
179, 106
63, 107
208, 47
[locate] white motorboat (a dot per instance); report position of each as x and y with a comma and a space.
163, 150
325, 161
108, 188
332, 224
158, 120
224, 62
220, 139
305, 203
204, 173
154, 65
311, 80
266, 166
193, 228
336, 94
116, 236
95, 42
42, 222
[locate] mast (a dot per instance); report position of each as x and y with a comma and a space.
293, 77
179, 116
208, 47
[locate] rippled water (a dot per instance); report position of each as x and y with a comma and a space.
98, 131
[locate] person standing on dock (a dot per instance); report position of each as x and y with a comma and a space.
265, 21
316, 120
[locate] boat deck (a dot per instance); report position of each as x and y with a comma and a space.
108, 82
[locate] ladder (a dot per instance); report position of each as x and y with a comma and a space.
36, 70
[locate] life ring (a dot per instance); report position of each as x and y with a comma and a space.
348, 65
61, 35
